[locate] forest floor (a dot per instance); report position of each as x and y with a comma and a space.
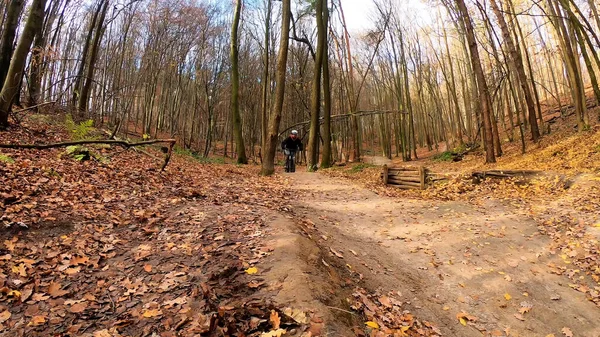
112, 247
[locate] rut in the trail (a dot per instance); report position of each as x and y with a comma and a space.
486, 264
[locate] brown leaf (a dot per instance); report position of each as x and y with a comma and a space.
4, 316
520, 317
148, 268
149, 313
38, 297
77, 260
567, 332
385, 301
72, 271
55, 291
525, 307
275, 319
37, 320
78, 307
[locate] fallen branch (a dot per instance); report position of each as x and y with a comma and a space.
33, 107
84, 142
122, 143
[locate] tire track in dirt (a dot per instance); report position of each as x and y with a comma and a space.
444, 258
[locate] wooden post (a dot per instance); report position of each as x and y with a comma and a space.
385, 174
422, 176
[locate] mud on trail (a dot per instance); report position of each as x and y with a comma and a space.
468, 270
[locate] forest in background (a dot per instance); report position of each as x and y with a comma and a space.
223, 78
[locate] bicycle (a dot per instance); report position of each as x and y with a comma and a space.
290, 160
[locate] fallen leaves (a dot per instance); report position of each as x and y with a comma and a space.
372, 325
275, 319
4, 316
567, 332
117, 248
37, 320
150, 313
54, 289
78, 307
464, 318
525, 307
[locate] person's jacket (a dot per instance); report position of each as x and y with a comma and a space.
292, 144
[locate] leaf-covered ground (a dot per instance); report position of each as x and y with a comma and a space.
113, 247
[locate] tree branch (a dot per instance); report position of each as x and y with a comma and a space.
122, 143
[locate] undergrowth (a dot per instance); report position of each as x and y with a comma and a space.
79, 131
360, 167
197, 157
6, 159
444, 156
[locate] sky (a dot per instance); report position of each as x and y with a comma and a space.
359, 13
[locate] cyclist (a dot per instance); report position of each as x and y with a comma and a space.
290, 146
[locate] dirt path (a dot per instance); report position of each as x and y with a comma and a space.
488, 261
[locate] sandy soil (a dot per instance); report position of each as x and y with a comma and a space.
486, 260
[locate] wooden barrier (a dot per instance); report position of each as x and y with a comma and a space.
410, 177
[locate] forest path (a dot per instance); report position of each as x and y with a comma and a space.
445, 258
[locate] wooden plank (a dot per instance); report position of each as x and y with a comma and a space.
396, 169
404, 179
407, 183
404, 187
423, 173
404, 173
385, 174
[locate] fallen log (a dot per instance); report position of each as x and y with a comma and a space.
525, 175
122, 143
505, 174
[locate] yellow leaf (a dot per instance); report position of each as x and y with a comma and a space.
507, 297
149, 313
252, 271
550, 335
446, 308
373, 325
463, 321
14, 293
597, 225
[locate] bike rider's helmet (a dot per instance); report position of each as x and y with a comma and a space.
294, 132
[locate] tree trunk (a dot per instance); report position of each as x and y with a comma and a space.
91, 67
484, 94
11, 23
17, 65
326, 157
315, 108
235, 86
266, 79
517, 60
268, 166
84, 55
